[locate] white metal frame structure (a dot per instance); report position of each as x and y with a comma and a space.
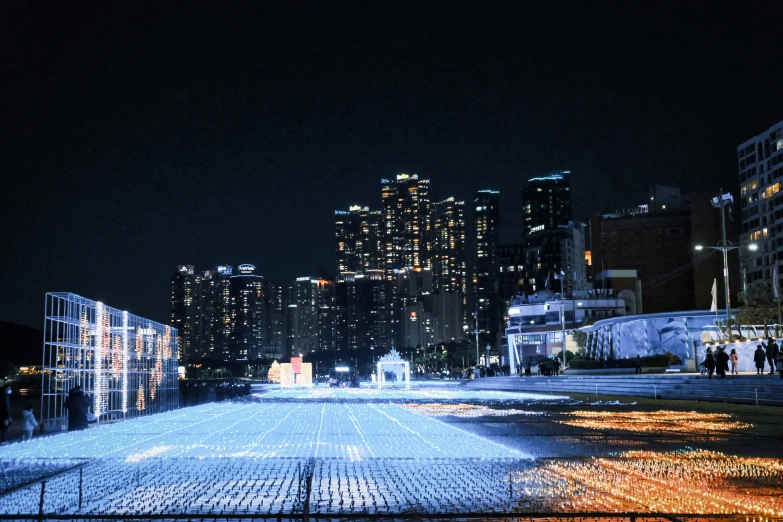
406, 372
126, 365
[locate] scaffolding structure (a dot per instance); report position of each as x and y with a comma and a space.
125, 364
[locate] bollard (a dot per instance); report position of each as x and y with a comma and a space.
81, 482
510, 485
41, 501
596, 390
756, 391
655, 392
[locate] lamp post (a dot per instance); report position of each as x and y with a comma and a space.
476, 331
724, 246
562, 279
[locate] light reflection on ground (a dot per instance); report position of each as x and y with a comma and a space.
465, 410
696, 482
663, 421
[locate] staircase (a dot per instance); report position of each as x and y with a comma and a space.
742, 389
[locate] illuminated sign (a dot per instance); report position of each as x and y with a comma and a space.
514, 311
342, 369
302, 278
296, 364
413, 316
537, 228
246, 269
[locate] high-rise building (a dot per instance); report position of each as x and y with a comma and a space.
406, 221
357, 240
248, 314
546, 202
275, 337
216, 299
362, 312
512, 272
186, 311
310, 315
448, 247
761, 171
485, 276
555, 259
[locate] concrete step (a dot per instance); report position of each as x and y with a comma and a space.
743, 389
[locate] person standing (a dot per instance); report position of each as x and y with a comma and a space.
758, 358
709, 363
5, 412
779, 363
28, 423
638, 363
772, 354
722, 362
734, 357
78, 406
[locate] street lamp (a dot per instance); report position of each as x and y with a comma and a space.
562, 278
476, 331
721, 202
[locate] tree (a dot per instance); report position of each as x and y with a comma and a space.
760, 306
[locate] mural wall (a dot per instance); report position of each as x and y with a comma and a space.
626, 337
683, 335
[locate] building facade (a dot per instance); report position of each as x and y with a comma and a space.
310, 316
406, 222
658, 246
536, 323
485, 275
363, 313
448, 246
186, 311
546, 202
357, 240
229, 313
760, 162
249, 319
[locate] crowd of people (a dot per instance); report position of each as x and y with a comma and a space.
718, 361
198, 392
544, 368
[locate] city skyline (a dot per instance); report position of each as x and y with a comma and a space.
126, 158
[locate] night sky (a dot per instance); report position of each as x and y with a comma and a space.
136, 136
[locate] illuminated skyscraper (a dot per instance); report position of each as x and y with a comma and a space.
485, 278
275, 337
405, 219
217, 311
310, 315
357, 240
546, 202
760, 163
448, 246
248, 313
363, 313
186, 313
